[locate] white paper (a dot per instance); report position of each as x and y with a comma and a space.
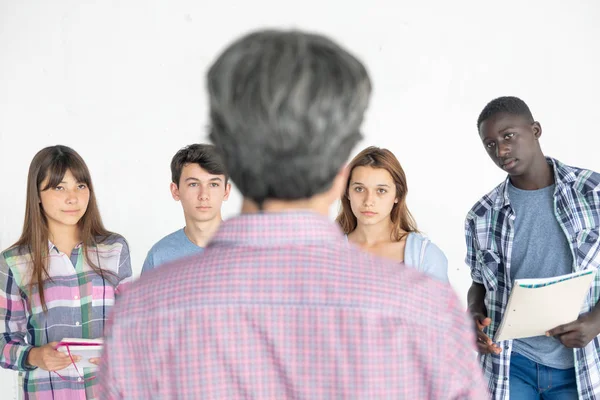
532, 311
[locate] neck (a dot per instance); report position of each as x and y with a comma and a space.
200, 232
64, 237
371, 235
315, 204
539, 176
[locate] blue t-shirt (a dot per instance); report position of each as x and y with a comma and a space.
540, 250
172, 247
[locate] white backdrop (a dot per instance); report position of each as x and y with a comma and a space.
122, 82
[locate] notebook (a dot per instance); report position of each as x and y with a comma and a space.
538, 305
85, 348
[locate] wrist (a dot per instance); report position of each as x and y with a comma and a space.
476, 310
31, 360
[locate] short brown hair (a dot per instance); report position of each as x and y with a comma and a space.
205, 155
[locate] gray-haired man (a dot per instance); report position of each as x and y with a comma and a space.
279, 306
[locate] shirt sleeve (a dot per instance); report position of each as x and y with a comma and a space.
471, 257
124, 272
148, 263
435, 262
13, 348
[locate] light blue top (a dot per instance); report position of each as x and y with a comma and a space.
172, 247
422, 254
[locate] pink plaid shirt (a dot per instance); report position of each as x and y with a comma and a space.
279, 306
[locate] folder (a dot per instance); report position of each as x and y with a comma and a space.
537, 305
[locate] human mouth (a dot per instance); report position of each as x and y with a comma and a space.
71, 211
509, 163
368, 213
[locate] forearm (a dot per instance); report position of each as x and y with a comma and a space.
476, 299
595, 313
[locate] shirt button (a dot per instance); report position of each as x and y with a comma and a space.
77, 323
78, 379
75, 297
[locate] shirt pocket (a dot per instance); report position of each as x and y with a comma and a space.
587, 246
489, 260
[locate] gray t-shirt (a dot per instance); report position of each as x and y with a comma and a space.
172, 247
540, 250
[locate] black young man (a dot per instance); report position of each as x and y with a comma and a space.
542, 221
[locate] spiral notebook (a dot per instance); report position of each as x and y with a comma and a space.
538, 305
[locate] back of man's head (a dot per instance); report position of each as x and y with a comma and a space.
286, 109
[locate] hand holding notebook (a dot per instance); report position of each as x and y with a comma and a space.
579, 333
536, 306
86, 349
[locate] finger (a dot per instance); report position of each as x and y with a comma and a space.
562, 329
571, 340
482, 322
483, 348
57, 366
54, 345
59, 355
483, 338
488, 348
95, 361
478, 317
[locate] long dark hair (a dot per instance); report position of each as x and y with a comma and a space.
52, 163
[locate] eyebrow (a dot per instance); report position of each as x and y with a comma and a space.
191, 178
379, 184
507, 128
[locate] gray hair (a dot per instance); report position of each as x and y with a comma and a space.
286, 109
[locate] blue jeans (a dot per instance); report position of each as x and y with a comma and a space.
530, 380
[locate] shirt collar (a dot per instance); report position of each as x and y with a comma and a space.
277, 228
52, 246
562, 175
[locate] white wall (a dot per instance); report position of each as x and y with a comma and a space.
123, 84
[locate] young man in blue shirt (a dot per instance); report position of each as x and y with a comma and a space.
200, 183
